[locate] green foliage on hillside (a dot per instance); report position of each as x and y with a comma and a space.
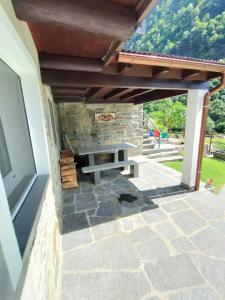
193, 28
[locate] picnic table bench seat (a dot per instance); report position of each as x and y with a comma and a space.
103, 167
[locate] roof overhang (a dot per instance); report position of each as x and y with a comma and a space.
79, 45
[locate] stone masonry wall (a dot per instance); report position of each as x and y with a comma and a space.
78, 121
42, 267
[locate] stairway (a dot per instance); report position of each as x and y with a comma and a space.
163, 152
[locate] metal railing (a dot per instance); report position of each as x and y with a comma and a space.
147, 122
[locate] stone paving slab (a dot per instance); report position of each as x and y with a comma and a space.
162, 243
173, 273
105, 285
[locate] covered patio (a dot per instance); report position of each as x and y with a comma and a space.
156, 236
142, 238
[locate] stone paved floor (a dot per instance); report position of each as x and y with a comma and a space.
165, 244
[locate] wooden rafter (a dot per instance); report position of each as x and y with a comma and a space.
189, 74
157, 95
66, 91
117, 93
70, 63
156, 71
94, 93
121, 68
133, 94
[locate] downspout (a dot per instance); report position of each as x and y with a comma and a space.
203, 128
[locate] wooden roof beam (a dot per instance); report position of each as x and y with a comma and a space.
189, 74
90, 79
104, 17
70, 63
116, 93
133, 94
156, 71
157, 95
121, 68
66, 98
68, 91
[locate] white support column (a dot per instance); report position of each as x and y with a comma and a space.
192, 137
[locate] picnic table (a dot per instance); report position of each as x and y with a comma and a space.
91, 151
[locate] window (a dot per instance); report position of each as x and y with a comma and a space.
16, 156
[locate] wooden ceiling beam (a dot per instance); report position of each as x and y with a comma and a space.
157, 95
66, 98
85, 79
66, 91
70, 63
189, 74
96, 92
156, 71
96, 16
133, 94
121, 68
116, 93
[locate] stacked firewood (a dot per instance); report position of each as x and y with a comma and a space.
68, 170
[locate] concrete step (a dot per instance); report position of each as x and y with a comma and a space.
149, 146
159, 150
168, 158
164, 154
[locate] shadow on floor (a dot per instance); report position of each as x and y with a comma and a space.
116, 197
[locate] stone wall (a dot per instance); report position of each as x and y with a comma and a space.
42, 264
78, 121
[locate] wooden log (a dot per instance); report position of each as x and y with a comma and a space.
67, 167
66, 161
95, 16
68, 172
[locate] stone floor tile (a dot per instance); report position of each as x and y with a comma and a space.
141, 235
108, 197
105, 285
188, 221
87, 189
210, 242
209, 212
213, 270
152, 249
167, 229
182, 244
174, 206
115, 253
109, 209
74, 222
219, 225
76, 239
173, 272
68, 199
68, 209
103, 189
105, 229
154, 215
85, 201
202, 293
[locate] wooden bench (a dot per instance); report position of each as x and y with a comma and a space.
96, 169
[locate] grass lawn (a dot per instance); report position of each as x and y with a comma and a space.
211, 168
219, 143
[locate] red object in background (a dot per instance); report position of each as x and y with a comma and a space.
156, 133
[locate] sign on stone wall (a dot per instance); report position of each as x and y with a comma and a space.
105, 118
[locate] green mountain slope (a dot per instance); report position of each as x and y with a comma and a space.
194, 28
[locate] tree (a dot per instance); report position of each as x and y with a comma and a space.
170, 115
